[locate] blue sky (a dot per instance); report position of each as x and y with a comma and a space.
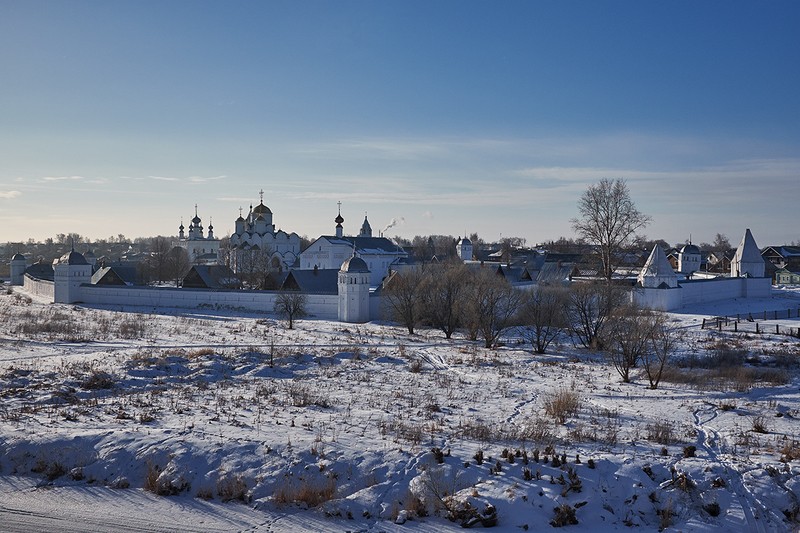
449, 116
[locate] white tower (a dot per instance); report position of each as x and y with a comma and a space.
354, 291
689, 259
18, 269
657, 272
464, 249
748, 260
69, 273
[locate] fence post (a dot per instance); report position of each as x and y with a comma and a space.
719, 325
703, 325
757, 328
777, 330
735, 327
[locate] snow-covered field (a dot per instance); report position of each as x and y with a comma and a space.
117, 420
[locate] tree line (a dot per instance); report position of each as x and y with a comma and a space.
483, 305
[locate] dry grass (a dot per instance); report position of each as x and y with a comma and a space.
661, 432
311, 493
562, 404
232, 487
726, 378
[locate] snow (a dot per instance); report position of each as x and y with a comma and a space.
118, 420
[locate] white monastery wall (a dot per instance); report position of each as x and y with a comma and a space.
324, 306
39, 287
701, 291
661, 299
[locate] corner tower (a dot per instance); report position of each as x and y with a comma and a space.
18, 269
69, 273
747, 261
353, 285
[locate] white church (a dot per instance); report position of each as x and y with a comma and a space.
256, 234
329, 251
201, 249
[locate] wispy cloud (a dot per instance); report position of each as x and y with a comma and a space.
201, 179
63, 178
234, 199
9, 195
189, 179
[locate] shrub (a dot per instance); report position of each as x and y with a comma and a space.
97, 380
665, 515
760, 424
231, 487
565, 516
562, 404
661, 432
151, 477
306, 491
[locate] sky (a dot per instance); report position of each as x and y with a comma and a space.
446, 117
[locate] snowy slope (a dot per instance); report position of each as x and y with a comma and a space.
175, 421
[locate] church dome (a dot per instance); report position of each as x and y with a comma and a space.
262, 209
339, 219
690, 249
354, 265
18, 257
73, 258
464, 241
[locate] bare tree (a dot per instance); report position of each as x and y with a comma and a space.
402, 296
626, 338
543, 315
588, 307
663, 342
177, 264
608, 219
492, 305
443, 295
290, 305
255, 268
508, 245
155, 267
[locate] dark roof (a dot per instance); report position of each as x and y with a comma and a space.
316, 281
73, 258
40, 271
555, 272
127, 271
367, 243
107, 276
261, 208
354, 264
211, 277
690, 249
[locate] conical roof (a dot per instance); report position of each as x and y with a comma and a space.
657, 270
748, 251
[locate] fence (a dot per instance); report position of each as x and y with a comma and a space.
749, 322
